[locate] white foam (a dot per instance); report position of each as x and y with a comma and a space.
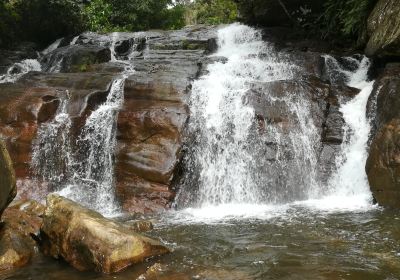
19, 69
52, 46
227, 187
350, 179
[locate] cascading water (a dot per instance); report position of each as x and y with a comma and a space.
229, 153
235, 167
52, 46
92, 181
349, 183
17, 70
52, 153
84, 173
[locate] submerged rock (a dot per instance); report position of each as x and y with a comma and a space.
15, 249
88, 241
384, 29
8, 188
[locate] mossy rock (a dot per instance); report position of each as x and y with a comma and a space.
384, 29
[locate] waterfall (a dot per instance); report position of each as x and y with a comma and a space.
83, 169
349, 184
52, 157
18, 69
231, 165
52, 46
229, 160
74, 40
92, 181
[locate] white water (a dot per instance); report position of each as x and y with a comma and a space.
229, 152
226, 149
51, 155
89, 178
52, 47
350, 182
92, 183
74, 40
17, 70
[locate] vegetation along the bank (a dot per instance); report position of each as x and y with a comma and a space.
43, 21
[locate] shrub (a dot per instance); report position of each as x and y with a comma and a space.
346, 17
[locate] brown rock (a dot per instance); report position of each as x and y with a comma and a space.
22, 221
87, 240
383, 165
35, 99
160, 271
8, 188
140, 226
15, 249
384, 101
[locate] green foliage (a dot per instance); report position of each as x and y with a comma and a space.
9, 20
346, 17
97, 15
132, 15
43, 21
174, 18
212, 12
39, 21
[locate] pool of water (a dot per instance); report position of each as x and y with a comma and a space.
285, 242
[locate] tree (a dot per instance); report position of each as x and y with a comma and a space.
211, 12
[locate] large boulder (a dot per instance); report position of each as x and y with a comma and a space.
88, 241
22, 221
384, 29
384, 101
152, 121
383, 164
8, 188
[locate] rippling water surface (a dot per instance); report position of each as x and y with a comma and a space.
285, 242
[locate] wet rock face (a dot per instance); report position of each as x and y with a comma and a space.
150, 126
384, 29
384, 101
150, 123
88, 241
8, 188
75, 58
21, 52
34, 100
383, 165
273, 110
